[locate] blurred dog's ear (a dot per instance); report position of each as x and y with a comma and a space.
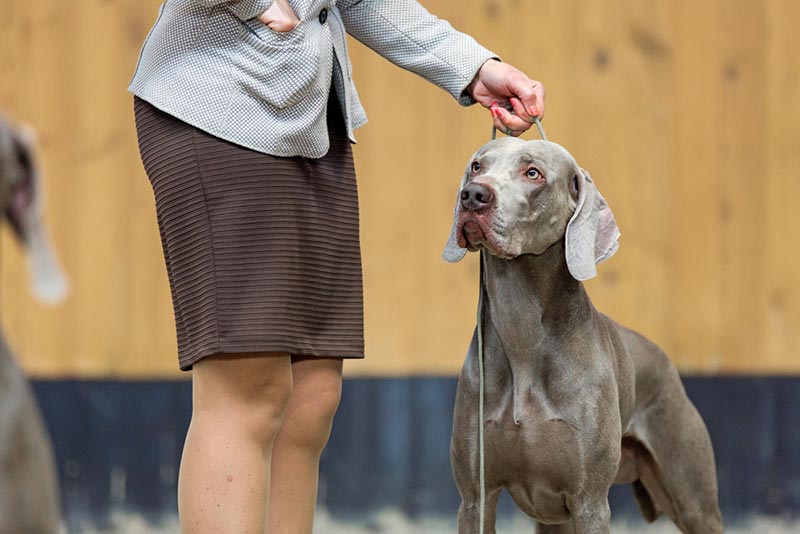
22, 206
452, 252
18, 175
592, 234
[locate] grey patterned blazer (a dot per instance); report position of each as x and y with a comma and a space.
214, 65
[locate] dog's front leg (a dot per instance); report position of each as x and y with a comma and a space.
469, 514
464, 457
591, 515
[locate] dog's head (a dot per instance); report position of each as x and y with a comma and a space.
21, 204
520, 197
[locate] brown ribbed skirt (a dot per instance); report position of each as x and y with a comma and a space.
262, 252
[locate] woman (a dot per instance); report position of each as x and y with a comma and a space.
245, 112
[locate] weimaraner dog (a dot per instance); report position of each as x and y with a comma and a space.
574, 402
29, 500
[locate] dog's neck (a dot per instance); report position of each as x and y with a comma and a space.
537, 309
535, 290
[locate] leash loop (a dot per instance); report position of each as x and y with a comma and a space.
536, 121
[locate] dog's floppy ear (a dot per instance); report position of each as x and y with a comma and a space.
592, 234
452, 252
22, 206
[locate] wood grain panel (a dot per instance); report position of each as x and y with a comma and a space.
685, 114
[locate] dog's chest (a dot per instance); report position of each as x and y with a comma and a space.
535, 453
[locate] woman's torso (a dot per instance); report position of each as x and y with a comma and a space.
241, 81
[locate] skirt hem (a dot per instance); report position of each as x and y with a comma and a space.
187, 363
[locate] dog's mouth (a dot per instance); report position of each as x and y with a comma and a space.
473, 234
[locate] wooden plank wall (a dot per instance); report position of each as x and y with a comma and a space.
686, 113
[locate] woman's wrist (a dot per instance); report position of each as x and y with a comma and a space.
471, 87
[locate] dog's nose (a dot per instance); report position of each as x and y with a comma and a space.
475, 197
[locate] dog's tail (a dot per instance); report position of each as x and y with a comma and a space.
646, 504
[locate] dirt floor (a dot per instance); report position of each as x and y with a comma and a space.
394, 523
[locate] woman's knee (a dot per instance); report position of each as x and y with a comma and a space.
315, 399
307, 424
245, 393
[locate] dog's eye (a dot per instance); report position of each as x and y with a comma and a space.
476, 166
533, 174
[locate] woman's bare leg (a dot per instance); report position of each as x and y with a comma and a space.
238, 403
295, 455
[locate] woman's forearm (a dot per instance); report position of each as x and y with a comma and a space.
409, 36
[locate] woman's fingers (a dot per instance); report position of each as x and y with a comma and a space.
520, 111
528, 93
531, 96
499, 126
280, 17
280, 26
508, 123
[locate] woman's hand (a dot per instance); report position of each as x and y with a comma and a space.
498, 84
280, 17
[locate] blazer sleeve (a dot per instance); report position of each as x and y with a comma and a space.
409, 36
244, 9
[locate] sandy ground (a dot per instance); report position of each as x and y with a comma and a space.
394, 523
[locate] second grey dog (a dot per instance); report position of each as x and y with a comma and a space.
574, 401
29, 500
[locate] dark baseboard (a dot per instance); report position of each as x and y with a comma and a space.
118, 446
